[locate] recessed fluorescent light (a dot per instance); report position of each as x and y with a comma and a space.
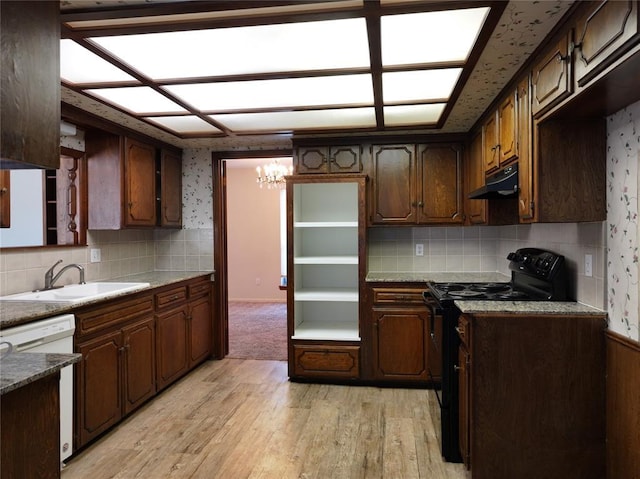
139, 99
79, 65
421, 85
184, 124
413, 115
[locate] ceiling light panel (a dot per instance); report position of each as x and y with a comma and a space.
299, 120
289, 92
430, 37
413, 115
138, 99
184, 124
420, 85
285, 47
79, 65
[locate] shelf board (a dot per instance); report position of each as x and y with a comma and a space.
325, 224
342, 295
327, 331
325, 260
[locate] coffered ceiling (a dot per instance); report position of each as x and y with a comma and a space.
242, 74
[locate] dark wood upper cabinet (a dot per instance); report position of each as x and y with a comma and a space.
508, 129
604, 32
490, 143
328, 159
440, 173
393, 190
170, 189
552, 79
475, 210
525, 170
30, 79
140, 183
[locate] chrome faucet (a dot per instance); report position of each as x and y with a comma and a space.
49, 278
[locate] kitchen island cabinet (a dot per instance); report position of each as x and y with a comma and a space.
532, 395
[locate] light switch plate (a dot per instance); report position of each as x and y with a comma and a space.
588, 265
419, 249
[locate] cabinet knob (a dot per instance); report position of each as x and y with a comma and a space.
459, 331
456, 368
420, 203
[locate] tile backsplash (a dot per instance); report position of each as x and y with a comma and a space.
484, 249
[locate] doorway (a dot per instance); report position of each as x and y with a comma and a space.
251, 306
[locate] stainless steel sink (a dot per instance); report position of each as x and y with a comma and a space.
76, 293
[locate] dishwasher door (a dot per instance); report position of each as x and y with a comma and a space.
52, 335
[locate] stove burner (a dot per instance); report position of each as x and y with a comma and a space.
449, 287
467, 293
490, 287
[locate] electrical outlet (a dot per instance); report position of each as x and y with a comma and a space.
96, 256
588, 265
419, 249
258, 281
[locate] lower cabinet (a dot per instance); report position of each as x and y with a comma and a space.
326, 361
134, 346
400, 324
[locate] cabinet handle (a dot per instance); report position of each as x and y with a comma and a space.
560, 58
420, 203
456, 368
459, 331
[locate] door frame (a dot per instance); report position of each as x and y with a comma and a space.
221, 278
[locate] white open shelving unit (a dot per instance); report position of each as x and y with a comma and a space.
325, 261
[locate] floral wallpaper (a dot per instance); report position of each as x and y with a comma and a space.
197, 189
623, 154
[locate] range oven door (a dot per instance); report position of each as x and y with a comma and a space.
434, 350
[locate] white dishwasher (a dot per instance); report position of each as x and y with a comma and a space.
52, 335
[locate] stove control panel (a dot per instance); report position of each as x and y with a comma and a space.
535, 262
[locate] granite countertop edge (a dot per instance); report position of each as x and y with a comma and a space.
438, 277
14, 313
526, 307
20, 369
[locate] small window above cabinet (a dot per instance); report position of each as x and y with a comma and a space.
328, 159
131, 183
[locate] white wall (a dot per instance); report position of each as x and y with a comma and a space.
27, 226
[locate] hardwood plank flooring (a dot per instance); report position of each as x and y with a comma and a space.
238, 419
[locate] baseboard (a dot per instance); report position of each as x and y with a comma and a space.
623, 407
254, 300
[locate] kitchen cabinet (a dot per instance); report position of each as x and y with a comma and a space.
491, 153
184, 330
127, 186
326, 267
500, 132
525, 157
568, 172
604, 32
30, 78
400, 323
551, 76
416, 184
134, 346
500, 211
328, 159
532, 395
170, 189
117, 371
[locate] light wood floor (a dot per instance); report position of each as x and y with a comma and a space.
237, 419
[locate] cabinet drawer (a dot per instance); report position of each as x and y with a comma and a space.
199, 289
395, 295
326, 361
464, 330
171, 297
118, 312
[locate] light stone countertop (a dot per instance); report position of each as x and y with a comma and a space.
20, 369
526, 307
13, 313
423, 277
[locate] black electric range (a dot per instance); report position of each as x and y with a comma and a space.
536, 275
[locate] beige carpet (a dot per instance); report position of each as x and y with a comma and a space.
257, 330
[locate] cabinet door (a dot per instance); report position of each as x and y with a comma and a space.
170, 189
507, 130
475, 210
201, 330
345, 159
490, 144
171, 346
604, 32
98, 385
525, 158
464, 403
440, 184
139, 367
400, 343
311, 159
551, 76
140, 184
394, 184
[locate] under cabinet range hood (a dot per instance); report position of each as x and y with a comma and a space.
503, 184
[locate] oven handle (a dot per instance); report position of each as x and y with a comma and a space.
435, 309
